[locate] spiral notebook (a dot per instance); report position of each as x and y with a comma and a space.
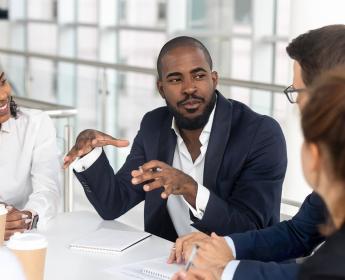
152, 269
108, 241
159, 269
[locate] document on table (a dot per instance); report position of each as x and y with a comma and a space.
153, 269
108, 241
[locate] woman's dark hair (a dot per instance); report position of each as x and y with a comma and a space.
13, 107
323, 123
323, 118
318, 50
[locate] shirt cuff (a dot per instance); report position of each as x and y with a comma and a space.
202, 197
81, 164
231, 244
230, 269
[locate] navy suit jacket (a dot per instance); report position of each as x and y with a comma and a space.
269, 253
245, 165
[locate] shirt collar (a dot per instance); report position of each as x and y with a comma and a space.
205, 134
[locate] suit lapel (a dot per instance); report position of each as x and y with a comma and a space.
219, 137
167, 142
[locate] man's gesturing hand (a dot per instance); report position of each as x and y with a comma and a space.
156, 174
87, 140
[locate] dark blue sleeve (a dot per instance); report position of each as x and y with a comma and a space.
254, 270
286, 240
254, 202
113, 194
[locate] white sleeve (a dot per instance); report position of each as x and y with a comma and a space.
230, 269
46, 171
202, 197
231, 244
86, 161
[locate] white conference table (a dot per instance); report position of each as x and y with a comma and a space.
67, 264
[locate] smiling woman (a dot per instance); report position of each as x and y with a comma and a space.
29, 164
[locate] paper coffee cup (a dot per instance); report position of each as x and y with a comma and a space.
3, 213
30, 249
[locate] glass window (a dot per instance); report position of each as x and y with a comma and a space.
161, 14
197, 13
243, 12
122, 11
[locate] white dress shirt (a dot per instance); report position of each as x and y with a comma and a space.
230, 269
29, 165
178, 207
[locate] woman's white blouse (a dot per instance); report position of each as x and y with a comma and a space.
29, 165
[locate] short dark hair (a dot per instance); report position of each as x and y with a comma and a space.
318, 50
181, 41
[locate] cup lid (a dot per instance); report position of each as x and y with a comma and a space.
27, 241
3, 209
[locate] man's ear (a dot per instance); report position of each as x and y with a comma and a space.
214, 76
160, 88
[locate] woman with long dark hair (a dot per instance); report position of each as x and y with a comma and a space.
323, 158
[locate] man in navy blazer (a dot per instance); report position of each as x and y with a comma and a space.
201, 161
270, 253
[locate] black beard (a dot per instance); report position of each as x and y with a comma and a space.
194, 123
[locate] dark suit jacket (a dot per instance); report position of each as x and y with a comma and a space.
269, 253
244, 169
328, 262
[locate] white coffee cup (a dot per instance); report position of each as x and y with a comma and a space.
30, 249
3, 213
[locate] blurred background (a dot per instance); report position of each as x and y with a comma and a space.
91, 64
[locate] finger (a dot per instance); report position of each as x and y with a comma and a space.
9, 233
20, 224
153, 165
214, 235
136, 173
156, 184
70, 157
146, 176
168, 190
108, 140
172, 256
179, 244
16, 216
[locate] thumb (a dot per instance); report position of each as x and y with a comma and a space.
99, 142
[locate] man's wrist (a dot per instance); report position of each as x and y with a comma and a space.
190, 195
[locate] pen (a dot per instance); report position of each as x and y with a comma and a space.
191, 257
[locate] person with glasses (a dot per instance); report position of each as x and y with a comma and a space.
270, 253
29, 165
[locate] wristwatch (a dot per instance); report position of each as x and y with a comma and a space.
34, 221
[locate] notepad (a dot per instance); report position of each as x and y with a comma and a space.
108, 241
159, 269
153, 269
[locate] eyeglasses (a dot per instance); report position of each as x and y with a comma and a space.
292, 93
